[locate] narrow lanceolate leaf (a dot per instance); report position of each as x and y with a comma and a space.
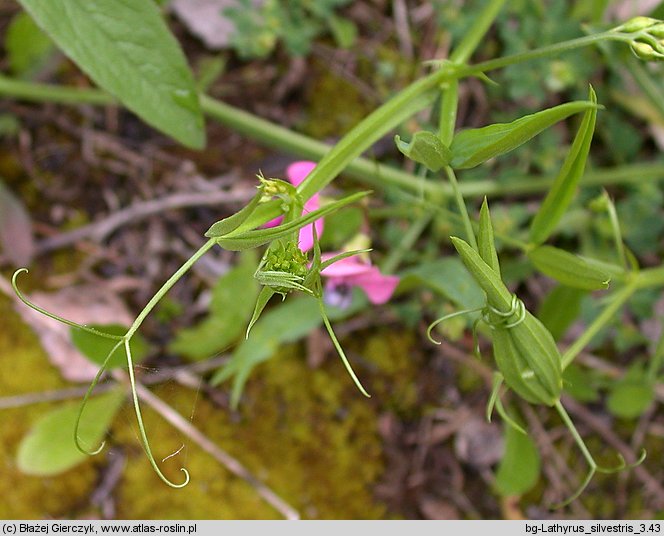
126, 47
496, 291
251, 239
485, 240
473, 146
568, 269
425, 148
49, 447
227, 225
564, 187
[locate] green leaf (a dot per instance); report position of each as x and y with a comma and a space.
49, 447
580, 384
228, 225
425, 148
28, 48
564, 187
343, 30
127, 49
232, 302
96, 348
568, 269
448, 277
485, 240
560, 308
519, 468
632, 395
258, 237
473, 146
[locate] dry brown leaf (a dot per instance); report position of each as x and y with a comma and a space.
85, 304
479, 443
16, 237
205, 19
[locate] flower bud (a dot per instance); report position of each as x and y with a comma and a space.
644, 51
637, 24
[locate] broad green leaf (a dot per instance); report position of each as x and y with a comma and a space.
285, 323
238, 241
227, 225
28, 48
568, 269
425, 148
564, 186
49, 447
519, 468
630, 397
232, 302
580, 384
473, 146
128, 50
96, 348
485, 240
560, 308
448, 277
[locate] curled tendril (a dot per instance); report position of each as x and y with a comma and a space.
447, 317
122, 340
516, 307
36, 307
594, 467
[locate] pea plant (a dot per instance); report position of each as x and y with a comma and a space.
130, 53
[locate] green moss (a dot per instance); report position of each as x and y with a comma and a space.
26, 370
306, 433
335, 105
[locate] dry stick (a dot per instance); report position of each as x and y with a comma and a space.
99, 230
177, 373
650, 483
233, 465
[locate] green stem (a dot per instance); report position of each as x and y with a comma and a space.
549, 50
474, 36
409, 238
463, 210
618, 300
167, 286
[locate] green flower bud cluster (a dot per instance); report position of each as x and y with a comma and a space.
283, 268
647, 41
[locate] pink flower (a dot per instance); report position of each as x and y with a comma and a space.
354, 272
296, 173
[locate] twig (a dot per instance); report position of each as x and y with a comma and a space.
99, 230
233, 465
180, 374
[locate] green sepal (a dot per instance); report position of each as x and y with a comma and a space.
259, 237
228, 225
263, 297
568, 268
474, 146
425, 148
496, 291
485, 239
564, 187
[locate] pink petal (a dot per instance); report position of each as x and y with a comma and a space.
378, 287
344, 268
298, 171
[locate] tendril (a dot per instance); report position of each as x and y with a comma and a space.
86, 397
594, 467
447, 317
141, 425
71, 323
